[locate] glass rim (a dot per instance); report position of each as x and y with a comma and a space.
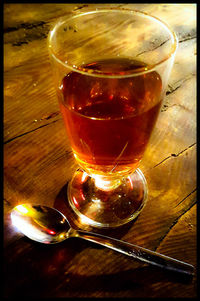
98, 73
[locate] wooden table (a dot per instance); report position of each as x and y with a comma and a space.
38, 163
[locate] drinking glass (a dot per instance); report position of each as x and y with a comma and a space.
111, 68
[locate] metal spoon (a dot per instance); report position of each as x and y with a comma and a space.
49, 226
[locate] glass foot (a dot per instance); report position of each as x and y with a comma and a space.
98, 205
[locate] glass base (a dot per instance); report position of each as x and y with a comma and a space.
104, 204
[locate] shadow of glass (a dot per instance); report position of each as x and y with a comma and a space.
139, 281
131, 279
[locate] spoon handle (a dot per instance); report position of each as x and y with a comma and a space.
139, 253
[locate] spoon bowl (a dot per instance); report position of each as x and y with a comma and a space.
41, 223
49, 226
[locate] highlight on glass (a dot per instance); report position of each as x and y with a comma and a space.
111, 68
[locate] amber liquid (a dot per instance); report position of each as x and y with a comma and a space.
109, 120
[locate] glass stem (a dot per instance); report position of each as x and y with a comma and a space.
105, 183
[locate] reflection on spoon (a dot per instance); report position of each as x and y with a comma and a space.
49, 226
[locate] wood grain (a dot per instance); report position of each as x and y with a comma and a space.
38, 164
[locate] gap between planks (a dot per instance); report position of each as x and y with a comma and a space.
174, 155
177, 219
23, 134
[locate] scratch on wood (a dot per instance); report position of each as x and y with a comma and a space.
153, 48
25, 26
166, 107
11, 139
187, 38
174, 155
179, 83
171, 89
174, 223
51, 115
185, 197
66, 154
32, 31
80, 7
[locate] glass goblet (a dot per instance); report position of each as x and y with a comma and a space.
111, 68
